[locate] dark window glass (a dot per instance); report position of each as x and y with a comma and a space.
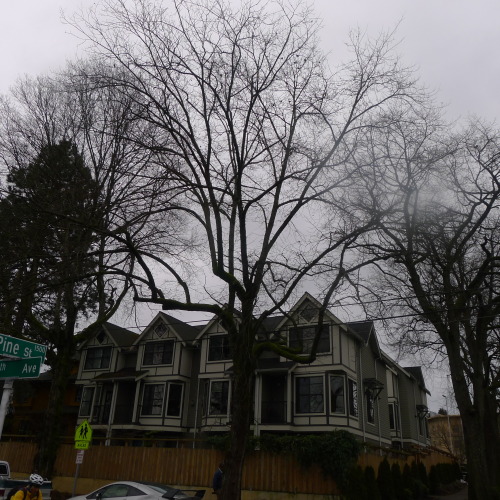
337, 394
86, 402
218, 348
302, 339
309, 395
393, 425
78, 393
97, 358
159, 353
353, 398
174, 400
219, 395
152, 400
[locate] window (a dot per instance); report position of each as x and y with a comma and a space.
174, 401
86, 402
152, 400
302, 338
219, 396
218, 348
97, 358
78, 394
158, 353
337, 394
353, 398
370, 407
309, 395
393, 417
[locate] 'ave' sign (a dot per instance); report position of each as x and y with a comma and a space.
20, 368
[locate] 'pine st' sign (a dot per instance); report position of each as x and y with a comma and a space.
12, 347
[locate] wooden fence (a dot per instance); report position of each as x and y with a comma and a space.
191, 467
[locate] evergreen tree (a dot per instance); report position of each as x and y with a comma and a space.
384, 480
371, 484
48, 273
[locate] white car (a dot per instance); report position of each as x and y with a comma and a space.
132, 490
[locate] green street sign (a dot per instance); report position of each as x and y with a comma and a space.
18, 348
20, 368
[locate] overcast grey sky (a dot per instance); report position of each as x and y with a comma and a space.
453, 43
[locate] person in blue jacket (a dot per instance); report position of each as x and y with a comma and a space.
217, 481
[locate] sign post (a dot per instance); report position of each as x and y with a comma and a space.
27, 358
83, 437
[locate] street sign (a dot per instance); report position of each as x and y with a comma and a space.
83, 436
79, 456
20, 368
18, 348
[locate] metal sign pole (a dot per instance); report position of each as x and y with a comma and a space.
79, 460
4, 405
76, 477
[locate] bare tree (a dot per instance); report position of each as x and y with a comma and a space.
72, 175
438, 196
253, 134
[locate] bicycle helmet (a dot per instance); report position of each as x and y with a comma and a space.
36, 479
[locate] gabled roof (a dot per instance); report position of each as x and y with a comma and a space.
366, 331
183, 331
120, 336
186, 331
416, 373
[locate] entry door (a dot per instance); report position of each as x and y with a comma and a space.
274, 399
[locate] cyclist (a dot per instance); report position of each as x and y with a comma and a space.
32, 491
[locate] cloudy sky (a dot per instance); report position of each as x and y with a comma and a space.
454, 44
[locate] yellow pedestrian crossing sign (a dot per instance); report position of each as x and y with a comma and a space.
83, 436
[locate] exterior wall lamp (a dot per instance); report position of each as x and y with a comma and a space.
373, 387
422, 411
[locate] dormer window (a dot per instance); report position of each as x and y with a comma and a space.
159, 353
302, 339
218, 348
97, 358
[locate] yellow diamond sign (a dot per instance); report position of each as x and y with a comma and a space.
83, 436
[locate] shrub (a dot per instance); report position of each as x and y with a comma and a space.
355, 488
371, 484
433, 480
397, 481
384, 481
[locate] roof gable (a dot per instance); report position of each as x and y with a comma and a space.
114, 334
174, 327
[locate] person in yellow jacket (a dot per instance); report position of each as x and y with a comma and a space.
32, 491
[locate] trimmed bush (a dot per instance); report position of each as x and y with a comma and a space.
356, 488
371, 484
384, 481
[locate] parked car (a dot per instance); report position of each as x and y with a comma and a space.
131, 490
4, 470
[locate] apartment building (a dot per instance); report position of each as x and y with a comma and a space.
174, 380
